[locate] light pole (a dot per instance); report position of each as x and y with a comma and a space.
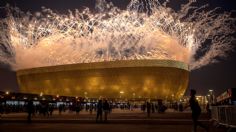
41, 95
172, 97
133, 96
85, 94
211, 97
121, 93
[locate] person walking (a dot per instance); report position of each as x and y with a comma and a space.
106, 108
196, 111
99, 110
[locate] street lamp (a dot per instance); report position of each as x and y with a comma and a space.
121, 92
172, 97
134, 95
85, 94
7, 92
210, 91
211, 97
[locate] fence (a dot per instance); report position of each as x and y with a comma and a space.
224, 115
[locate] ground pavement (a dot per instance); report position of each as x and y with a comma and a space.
118, 121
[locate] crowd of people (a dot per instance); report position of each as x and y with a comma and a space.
102, 108
46, 108
10, 108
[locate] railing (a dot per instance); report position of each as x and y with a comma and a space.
224, 115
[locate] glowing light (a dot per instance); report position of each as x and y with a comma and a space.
142, 31
7, 92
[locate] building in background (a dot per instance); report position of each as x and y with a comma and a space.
227, 98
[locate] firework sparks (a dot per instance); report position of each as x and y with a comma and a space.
148, 30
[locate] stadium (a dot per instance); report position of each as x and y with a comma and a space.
153, 79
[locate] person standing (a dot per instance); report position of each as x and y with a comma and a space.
60, 109
196, 111
91, 109
106, 108
99, 110
50, 109
1, 109
78, 107
30, 106
148, 109
208, 110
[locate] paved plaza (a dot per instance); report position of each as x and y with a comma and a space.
65, 127
118, 121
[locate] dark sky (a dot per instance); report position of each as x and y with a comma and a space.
219, 76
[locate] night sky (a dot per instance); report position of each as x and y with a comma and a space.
219, 76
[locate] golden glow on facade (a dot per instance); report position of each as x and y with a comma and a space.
158, 79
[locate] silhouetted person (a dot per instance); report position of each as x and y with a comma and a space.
153, 108
91, 108
45, 108
181, 108
148, 109
196, 110
99, 110
30, 108
50, 109
208, 110
106, 108
110, 109
60, 109
160, 107
144, 107
78, 108
1, 109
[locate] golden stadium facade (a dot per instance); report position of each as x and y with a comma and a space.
156, 79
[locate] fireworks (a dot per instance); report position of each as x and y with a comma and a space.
145, 30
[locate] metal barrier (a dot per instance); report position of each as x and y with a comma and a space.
224, 115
